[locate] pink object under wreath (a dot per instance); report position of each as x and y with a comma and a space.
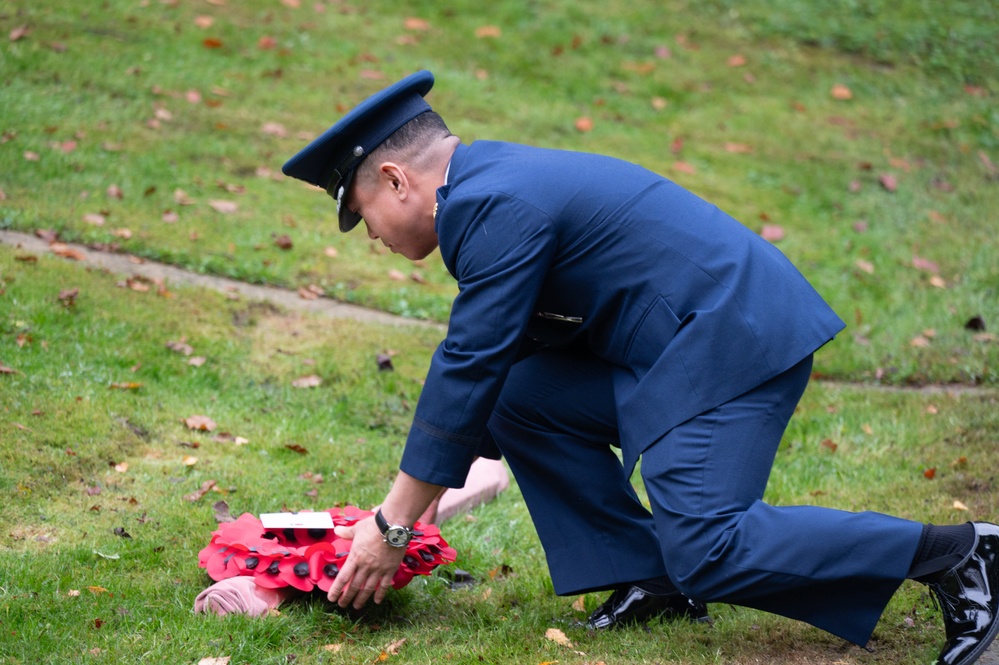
308, 558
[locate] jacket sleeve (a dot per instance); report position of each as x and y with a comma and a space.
500, 249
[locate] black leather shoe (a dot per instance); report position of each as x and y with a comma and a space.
969, 600
631, 604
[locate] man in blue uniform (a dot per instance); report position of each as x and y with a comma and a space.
601, 305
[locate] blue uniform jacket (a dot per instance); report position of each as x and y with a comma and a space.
552, 248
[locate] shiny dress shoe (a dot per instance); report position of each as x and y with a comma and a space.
630, 604
969, 600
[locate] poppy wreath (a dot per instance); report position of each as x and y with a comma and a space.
308, 558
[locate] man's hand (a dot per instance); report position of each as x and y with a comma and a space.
370, 566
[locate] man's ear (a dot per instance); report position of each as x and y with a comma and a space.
395, 177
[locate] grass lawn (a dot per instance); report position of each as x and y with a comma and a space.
861, 137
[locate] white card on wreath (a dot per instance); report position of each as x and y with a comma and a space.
317, 520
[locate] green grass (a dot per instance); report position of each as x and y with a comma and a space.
732, 100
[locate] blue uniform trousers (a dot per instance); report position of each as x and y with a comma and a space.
709, 529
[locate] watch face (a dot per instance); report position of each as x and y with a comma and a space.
397, 536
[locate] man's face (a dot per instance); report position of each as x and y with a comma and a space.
395, 213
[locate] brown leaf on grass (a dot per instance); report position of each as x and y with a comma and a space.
738, 148
132, 385
310, 381
200, 423
772, 232
266, 43
925, 265
396, 275
31, 156
557, 636
394, 647
203, 22
114, 192
888, 182
220, 509
180, 346
414, 23
221, 660
830, 445
384, 361
212, 43
865, 266
930, 473
301, 450
919, 342
224, 207
841, 92
990, 168
68, 297
579, 604
737, 60
95, 218
205, 488
19, 33
283, 242
684, 167
274, 129
488, 32
584, 124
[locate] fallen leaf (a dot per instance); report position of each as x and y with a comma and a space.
888, 182
301, 450
203, 22
772, 232
488, 32
189, 460
396, 275
221, 512
19, 32
180, 346
197, 361
684, 167
310, 381
394, 647
94, 218
274, 129
200, 423
121, 467
737, 60
131, 385
579, 604
919, 342
830, 444
212, 43
221, 660
414, 23
840, 91
334, 648
73, 593
865, 266
224, 207
930, 473
198, 493
67, 252
924, 264
283, 242
959, 506
738, 148
557, 636
6, 370
330, 252
584, 124
121, 533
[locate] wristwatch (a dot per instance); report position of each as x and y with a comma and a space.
395, 535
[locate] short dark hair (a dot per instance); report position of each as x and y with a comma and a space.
422, 129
